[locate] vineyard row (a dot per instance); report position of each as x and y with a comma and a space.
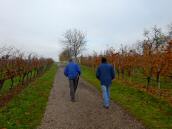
19, 66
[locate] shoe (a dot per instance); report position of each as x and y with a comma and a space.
107, 107
72, 100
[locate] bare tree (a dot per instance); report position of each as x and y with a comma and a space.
74, 41
153, 48
6, 52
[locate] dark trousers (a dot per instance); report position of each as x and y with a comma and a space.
73, 84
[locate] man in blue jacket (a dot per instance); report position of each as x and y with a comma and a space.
105, 73
72, 71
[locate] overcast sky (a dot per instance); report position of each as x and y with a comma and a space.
38, 25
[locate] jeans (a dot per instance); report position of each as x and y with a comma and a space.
106, 95
73, 84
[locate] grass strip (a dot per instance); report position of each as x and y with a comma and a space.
26, 110
152, 112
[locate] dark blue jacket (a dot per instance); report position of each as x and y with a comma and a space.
105, 73
72, 70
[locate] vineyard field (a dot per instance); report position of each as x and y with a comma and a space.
152, 111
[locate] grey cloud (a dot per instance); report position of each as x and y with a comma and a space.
37, 25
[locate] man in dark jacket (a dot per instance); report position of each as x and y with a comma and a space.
105, 73
72, 71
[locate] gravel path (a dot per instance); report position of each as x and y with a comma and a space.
86, 113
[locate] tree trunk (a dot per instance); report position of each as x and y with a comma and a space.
23, 78
1, 83
118, 72
149, 78
12, 82
20, 78
159, 83
129, 74
148, 83
122, 73
31, 75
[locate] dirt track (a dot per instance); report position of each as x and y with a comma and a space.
86, 113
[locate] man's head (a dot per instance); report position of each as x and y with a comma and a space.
104, 60
70, 60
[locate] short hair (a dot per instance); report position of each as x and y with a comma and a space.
70, 60
104, 60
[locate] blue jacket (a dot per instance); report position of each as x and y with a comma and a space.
105, 73
72, 70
